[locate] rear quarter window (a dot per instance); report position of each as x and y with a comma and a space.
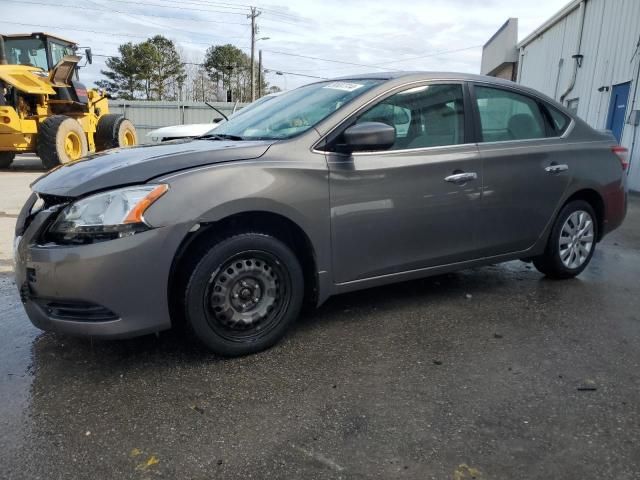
559, 120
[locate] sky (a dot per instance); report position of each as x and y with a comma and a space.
443, 35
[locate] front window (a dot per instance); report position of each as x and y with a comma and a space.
425, 116
294, 112
26, 51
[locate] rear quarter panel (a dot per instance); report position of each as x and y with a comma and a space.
592, 165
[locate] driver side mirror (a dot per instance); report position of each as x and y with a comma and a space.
369, 136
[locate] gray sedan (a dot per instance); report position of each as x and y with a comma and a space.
335, 186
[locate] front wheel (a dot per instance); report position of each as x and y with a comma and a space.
571, 243
61, 140
243, 294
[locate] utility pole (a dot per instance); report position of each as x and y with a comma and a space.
259, 73
202, 84
253, 16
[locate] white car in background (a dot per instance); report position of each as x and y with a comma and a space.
175, 132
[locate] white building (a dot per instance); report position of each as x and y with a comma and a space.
587, 57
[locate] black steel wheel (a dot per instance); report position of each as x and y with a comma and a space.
243, 294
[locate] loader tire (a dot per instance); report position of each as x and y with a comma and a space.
114, 131
6, 158
61, 140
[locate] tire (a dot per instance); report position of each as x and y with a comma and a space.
6, 158
560, 263
243, 294
114, 131
61, 140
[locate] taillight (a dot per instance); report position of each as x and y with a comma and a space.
623, 154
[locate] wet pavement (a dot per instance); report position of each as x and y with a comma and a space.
489, 373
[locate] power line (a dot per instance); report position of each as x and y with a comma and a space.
104, 33
182, 8
129, 2
25, 2
267, 70
434, 54
329, 60
191, 32
235, 6
279, 72
116, 56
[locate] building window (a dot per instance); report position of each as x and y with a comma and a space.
572, 105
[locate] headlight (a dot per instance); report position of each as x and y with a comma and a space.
105, 216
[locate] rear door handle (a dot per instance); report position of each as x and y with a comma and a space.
461, 178
556, 168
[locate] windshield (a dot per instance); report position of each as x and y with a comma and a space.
252, 105
26, 51
293, 112
32, 52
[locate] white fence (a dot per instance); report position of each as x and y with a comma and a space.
149, 115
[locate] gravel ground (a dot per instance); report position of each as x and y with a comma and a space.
489, 373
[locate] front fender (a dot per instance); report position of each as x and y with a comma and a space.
295, 190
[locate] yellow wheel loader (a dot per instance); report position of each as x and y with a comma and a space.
44, 108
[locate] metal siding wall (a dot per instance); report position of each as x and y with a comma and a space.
611, 33
541, 59
149, 115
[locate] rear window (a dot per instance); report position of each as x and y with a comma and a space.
506, 115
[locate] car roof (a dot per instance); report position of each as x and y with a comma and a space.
410, 76
418, 75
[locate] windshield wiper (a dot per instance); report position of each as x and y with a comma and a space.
221, 136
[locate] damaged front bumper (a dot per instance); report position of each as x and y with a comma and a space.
111, 289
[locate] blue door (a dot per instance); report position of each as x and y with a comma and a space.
618, 109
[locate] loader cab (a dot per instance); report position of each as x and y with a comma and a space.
38, 50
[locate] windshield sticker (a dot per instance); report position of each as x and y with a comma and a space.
344, 86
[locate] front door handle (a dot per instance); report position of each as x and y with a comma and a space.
555, 168
461, 178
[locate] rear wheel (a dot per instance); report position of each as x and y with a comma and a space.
571, 243
114, 131
61, 140
243, 294
6, 158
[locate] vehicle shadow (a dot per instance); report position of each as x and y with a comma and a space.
25, 163
178, 346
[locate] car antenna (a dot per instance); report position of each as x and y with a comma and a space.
217, 110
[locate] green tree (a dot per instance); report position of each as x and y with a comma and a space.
152, 68
227, 64
123, 77
161, 67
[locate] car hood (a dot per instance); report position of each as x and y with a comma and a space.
177, 131
127, 166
